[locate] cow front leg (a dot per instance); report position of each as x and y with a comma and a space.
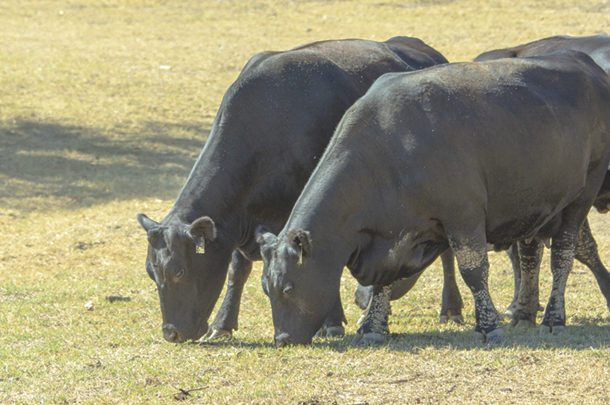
374, 327
333, 324
529, 256
586, 253
451, 307
563, 250
471, 255
226, 319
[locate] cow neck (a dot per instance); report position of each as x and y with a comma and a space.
214, 187
331, 207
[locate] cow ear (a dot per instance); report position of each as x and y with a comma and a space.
264, 239
300, 241
263, 236
200, 230
146, 222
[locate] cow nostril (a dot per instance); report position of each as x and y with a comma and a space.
283, 339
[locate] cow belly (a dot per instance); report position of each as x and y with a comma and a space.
542, 225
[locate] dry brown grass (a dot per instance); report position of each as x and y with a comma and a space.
92, 131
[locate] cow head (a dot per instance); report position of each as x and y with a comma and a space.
184, 262
602, 201
301, 285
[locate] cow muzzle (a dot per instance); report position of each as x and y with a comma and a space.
171, 334
283, 339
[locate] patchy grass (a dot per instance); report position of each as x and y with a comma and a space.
103, 109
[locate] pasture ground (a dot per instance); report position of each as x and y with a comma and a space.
104, 107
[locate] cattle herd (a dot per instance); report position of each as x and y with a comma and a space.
381, 157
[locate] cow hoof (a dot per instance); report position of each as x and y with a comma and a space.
330, 331
218, 334
368, 339
459, 319
335, 331
493, 337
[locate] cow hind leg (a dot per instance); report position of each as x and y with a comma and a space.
226, 319
451, 307
526, 307
562, 257
513, 255
586, 253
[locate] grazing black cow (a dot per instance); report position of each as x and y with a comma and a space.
375, 319
272, 126
462, 156
596, 46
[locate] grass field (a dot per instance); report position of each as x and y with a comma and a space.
104, 107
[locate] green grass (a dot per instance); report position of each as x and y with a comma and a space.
93, 131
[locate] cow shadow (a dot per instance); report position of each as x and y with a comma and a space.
576, 337
51, 162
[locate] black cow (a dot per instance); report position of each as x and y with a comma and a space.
596, 46
374, 322
461, 156
272, 126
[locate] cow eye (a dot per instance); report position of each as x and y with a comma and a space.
288, 288
179, 273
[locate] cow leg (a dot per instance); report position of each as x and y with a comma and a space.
513, 255
563, 251
471, 254
586, 253
333, 324
226, 319
526, 307
451, 307
374, 326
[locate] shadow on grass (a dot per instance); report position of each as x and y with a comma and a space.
82, 166
578, 337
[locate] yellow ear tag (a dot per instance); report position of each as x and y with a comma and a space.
200, 250
301, 255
